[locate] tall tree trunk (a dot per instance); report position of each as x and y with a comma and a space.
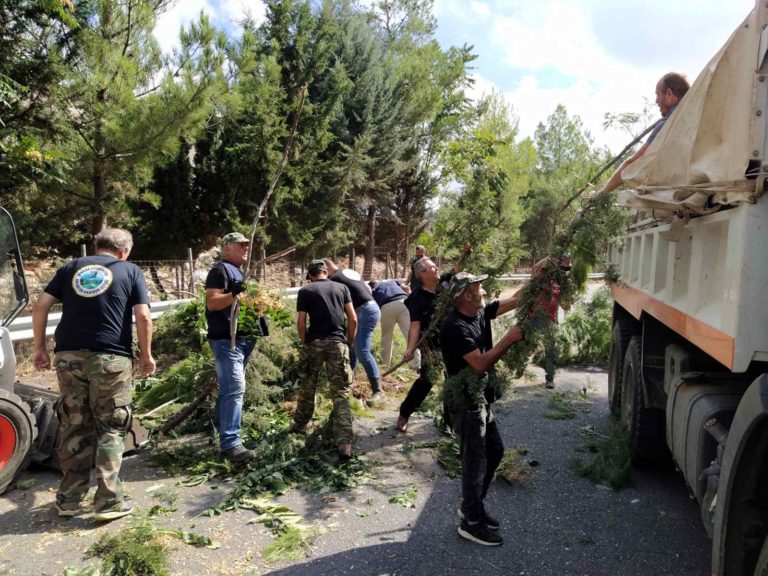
370, 243
99, 221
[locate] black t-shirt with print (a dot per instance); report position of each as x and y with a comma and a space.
98, 294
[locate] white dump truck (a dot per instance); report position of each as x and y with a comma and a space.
689, 354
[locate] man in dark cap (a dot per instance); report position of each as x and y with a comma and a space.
466, 342
326, 342
222, 289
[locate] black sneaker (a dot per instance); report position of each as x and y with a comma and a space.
489, 520
238, 453
479, 534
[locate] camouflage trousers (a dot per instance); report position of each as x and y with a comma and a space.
94, 416
335, 357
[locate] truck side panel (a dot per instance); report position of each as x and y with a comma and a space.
707, 281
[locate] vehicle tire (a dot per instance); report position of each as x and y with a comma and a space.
17, 433
622, 333
646, 425
761, 568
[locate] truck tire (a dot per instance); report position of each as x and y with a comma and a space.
761, 568
17, 433
622, 333
646, 425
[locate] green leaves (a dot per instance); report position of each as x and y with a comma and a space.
406, 499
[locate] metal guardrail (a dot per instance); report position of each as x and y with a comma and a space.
21, 327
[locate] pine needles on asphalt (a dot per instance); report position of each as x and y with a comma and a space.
611, 461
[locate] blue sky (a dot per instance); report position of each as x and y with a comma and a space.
593, 56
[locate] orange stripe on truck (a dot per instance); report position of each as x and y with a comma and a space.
714, 342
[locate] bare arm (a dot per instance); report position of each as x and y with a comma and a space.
39, 322
144, 334
413, 339
616, 180
301, 325
481, 361
507, 304
349, 310
216, 299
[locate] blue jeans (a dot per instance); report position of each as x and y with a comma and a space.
230, 372
368, 316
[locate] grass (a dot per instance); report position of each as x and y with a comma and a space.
514, 466
566, 405
610, 462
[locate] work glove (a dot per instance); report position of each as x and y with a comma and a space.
237, 288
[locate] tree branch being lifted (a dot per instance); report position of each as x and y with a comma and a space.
263, 206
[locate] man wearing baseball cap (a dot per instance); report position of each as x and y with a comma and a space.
326, 342
466, 342
222, 288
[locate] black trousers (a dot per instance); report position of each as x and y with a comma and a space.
418, 392
481, 450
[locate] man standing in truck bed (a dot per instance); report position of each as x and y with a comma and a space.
670, 89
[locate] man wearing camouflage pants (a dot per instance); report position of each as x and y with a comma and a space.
325, 342
93, 363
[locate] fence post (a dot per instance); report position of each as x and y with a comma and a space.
191, 271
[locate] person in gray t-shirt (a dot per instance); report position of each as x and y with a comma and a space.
670, 89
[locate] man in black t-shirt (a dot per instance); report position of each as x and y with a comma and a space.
421, 306
326, 343
223, 287
466, 342
98, 295
368, 317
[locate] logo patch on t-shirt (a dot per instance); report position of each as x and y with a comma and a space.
92, 280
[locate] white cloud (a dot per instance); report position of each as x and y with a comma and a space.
236, 9
481, 9
555, 55
181, 14
224, 14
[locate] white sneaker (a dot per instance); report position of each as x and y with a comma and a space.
123, 509
377, 398
66, 512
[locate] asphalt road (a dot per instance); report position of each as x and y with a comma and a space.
556, 524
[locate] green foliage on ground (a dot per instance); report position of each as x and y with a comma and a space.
406, 499
141, 549
609, 461
566, 405
585, 335
293, 536
515, 467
